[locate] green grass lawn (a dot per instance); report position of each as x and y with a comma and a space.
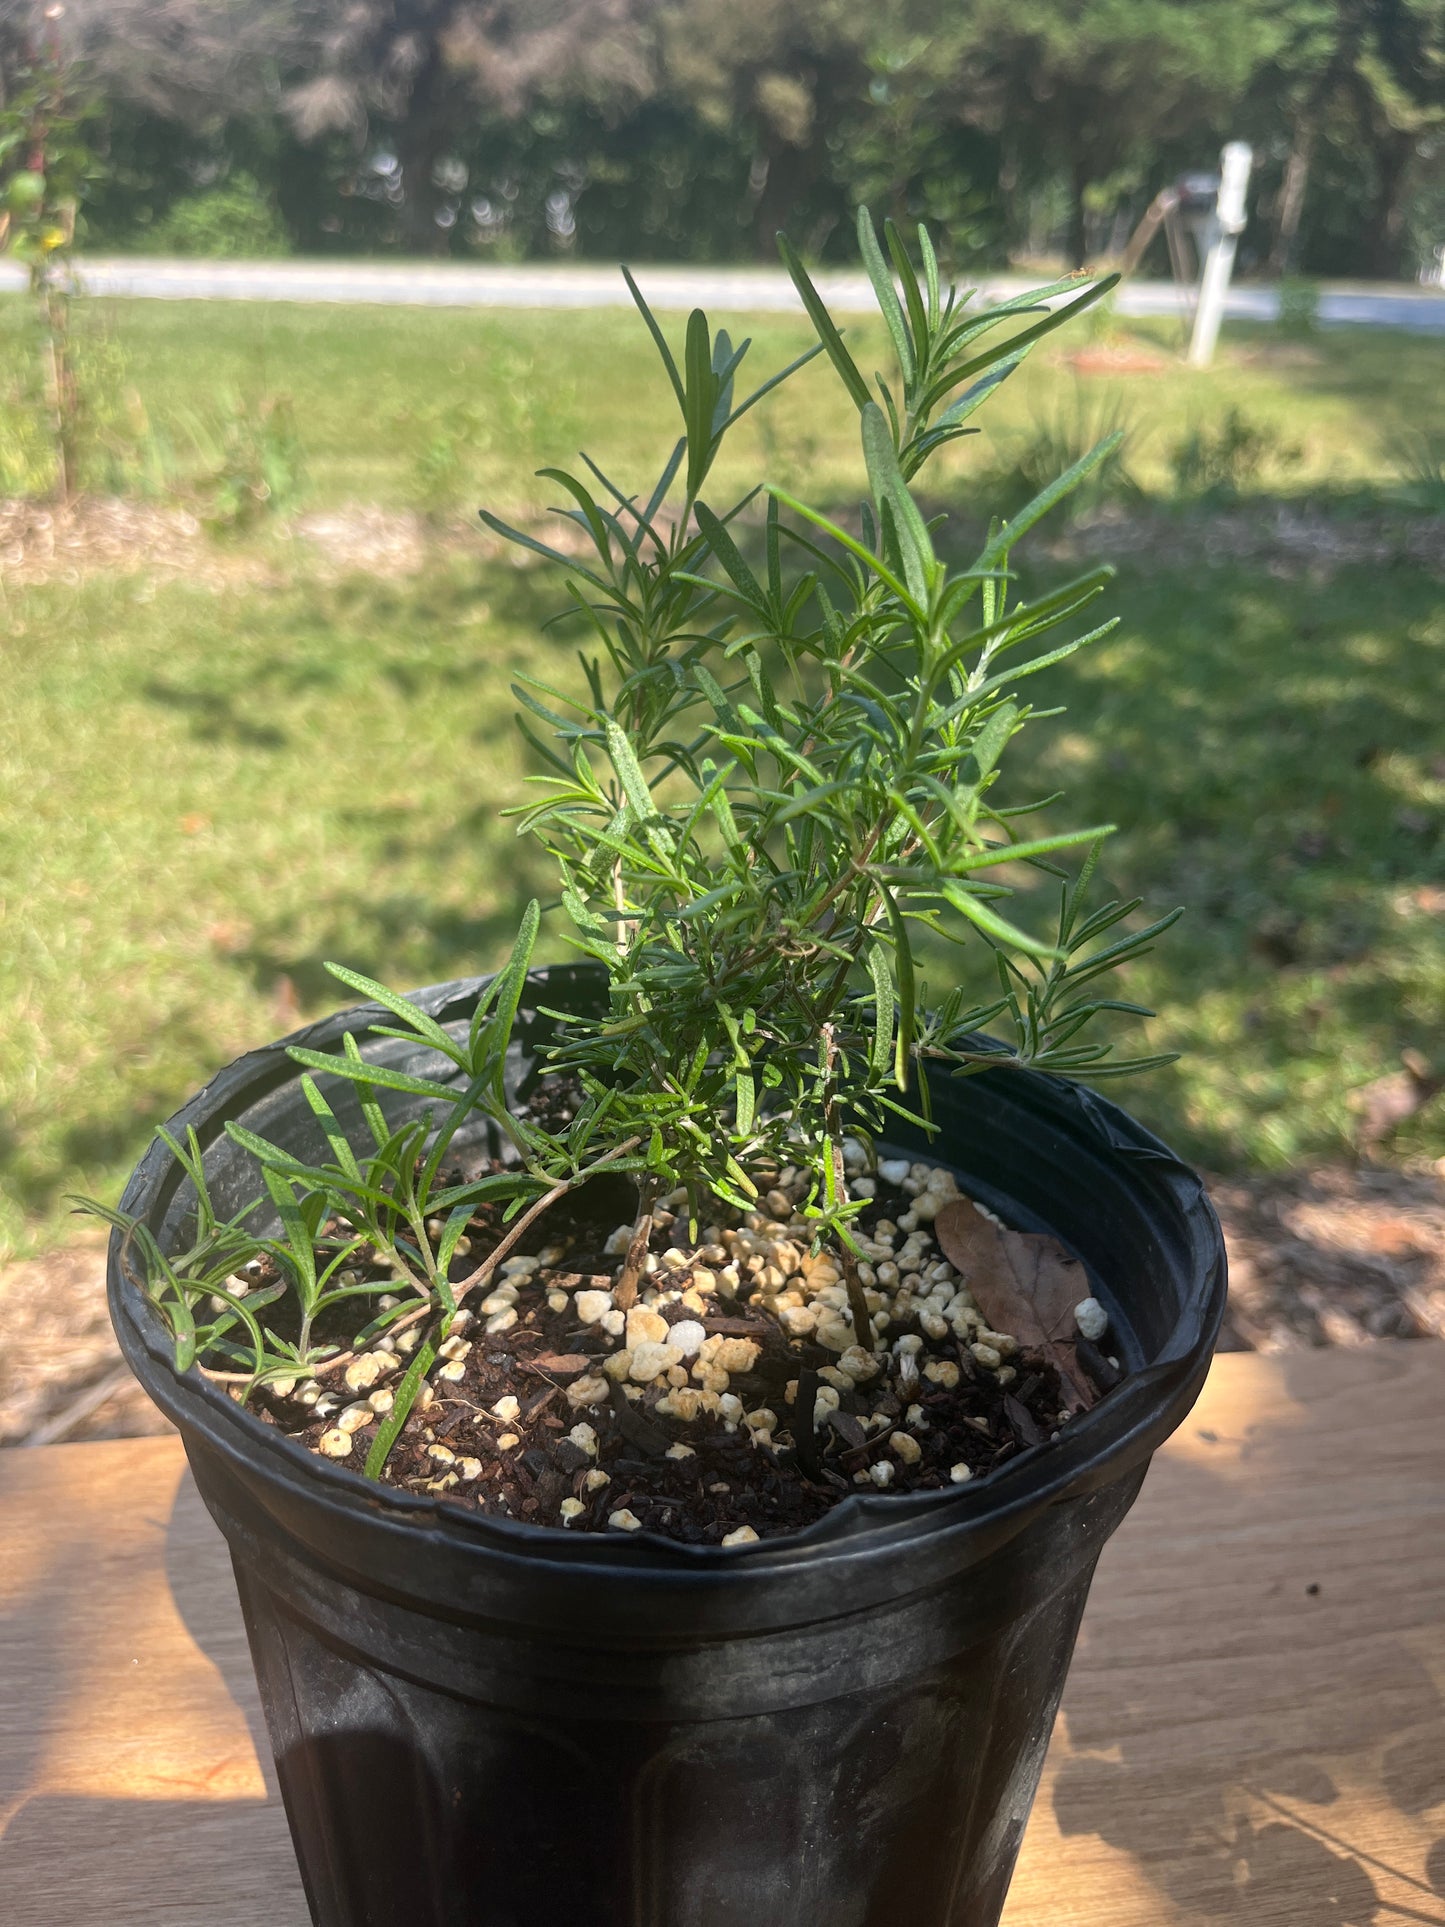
206, 792
416, 407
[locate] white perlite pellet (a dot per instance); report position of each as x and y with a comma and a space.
645, 1327
1091, 1319
689, 1336
650, 1360
743, 1536
626, 1520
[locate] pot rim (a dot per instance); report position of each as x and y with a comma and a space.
1123, 1428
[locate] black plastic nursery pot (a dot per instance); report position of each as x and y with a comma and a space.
481, 1723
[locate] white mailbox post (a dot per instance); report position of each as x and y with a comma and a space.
1225, 229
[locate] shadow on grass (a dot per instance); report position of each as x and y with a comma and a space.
1268, 741
215, 717
453, 944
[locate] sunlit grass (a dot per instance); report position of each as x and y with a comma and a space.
206, 792
376, 389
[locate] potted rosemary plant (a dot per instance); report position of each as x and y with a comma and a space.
665, 1409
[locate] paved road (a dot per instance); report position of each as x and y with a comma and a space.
740, 290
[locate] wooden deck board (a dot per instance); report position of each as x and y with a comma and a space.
1235, 1750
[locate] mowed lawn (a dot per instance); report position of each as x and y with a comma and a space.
206, 791
384, 398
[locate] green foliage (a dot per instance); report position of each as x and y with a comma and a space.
372, 1203
253, 465
27, 452
234, 220
1222, 462
1419, 455
442, 462
1056, 439
216, 698
461, 442
47, 154
1299, 308
686, 131
111, 447
777, 779
46, 163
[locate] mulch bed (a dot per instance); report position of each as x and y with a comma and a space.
1333, 1257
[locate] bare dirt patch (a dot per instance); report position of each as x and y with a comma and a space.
47, 542
1334, 1257
61, 1372
1107, 360
43, 542
1287, 539
50, 542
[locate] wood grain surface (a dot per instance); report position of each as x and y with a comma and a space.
1253, 1732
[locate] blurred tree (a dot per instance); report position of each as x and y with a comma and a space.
786, 79
694, 129
46, 163
185, 61
1368, 78
1087, 88
425, 69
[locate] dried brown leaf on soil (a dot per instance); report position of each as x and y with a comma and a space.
1023, 1283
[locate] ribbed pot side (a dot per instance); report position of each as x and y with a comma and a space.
481, 1723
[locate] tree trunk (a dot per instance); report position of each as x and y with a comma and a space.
1292, 198
1078, 242
1015, 231
417, 213
786, 176
1393, 155
423, 140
